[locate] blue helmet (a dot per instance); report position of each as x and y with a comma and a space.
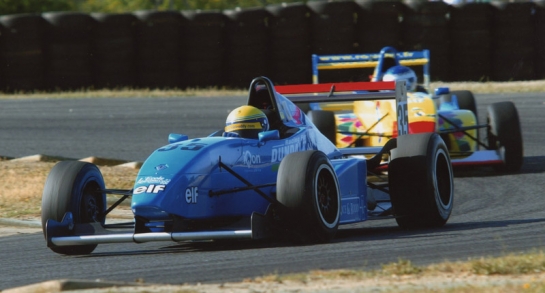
399, 72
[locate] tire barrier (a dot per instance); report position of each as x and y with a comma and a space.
470, 42
495, 41
425, 26
540, 40
114, 50
68, 50
248, 44
513, 37
378, 26
21, 52
333, 27
159, 36
203, 48
289, 29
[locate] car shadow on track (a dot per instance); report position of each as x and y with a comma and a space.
530, 165
393, 232
354, 233
187, 247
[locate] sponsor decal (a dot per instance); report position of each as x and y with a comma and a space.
153, 180
161, 167
242, 126
290, 146
249, 159
349, 208
191, 194
152, 188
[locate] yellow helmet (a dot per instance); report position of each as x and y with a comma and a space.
247, 121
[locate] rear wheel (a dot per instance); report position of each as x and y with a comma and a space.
76, 187
307, 185
325, 122
421, 181
504, 134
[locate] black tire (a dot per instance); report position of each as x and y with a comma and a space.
466, 101
421, 181
307, 185
325, 122
504, 134
73, 186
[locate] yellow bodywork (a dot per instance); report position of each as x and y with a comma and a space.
372, 123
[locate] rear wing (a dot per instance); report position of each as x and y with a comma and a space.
352, 91
376, 60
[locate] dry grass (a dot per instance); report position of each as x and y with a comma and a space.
127, 93
510, 273
24, 181
476, 87
533, 86
512, 264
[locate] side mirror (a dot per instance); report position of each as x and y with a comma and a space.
174, 137
442, 91
268, 135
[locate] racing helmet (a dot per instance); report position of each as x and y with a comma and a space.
400, 72
246, 121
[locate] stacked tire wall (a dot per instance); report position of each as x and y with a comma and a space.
513, 36
22, 58
290, 39
497, 41
470, 41
67, 48
113, 50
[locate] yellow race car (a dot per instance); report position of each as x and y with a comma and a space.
451, 114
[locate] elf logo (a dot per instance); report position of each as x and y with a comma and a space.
191, 194
152, 188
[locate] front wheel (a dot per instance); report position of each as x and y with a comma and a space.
307, 185
421, 181
466, 101
76, 187
505, 136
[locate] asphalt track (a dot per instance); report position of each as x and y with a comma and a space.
494, 214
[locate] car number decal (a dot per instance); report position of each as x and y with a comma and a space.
402, 118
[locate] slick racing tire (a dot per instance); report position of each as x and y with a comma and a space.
325, 122
421, 181
73, 186
307, 185
466, 101
504, 135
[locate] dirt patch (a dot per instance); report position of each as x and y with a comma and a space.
21, 194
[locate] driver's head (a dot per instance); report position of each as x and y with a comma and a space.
246, 121
399, 72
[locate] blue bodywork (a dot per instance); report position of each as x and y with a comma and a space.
224, 186
185, 180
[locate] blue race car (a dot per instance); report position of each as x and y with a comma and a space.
269, 173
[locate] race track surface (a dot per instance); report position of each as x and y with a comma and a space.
494, 214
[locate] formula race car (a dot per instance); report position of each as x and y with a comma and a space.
451, 114
269, 173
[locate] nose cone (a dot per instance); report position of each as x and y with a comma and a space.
148, 196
